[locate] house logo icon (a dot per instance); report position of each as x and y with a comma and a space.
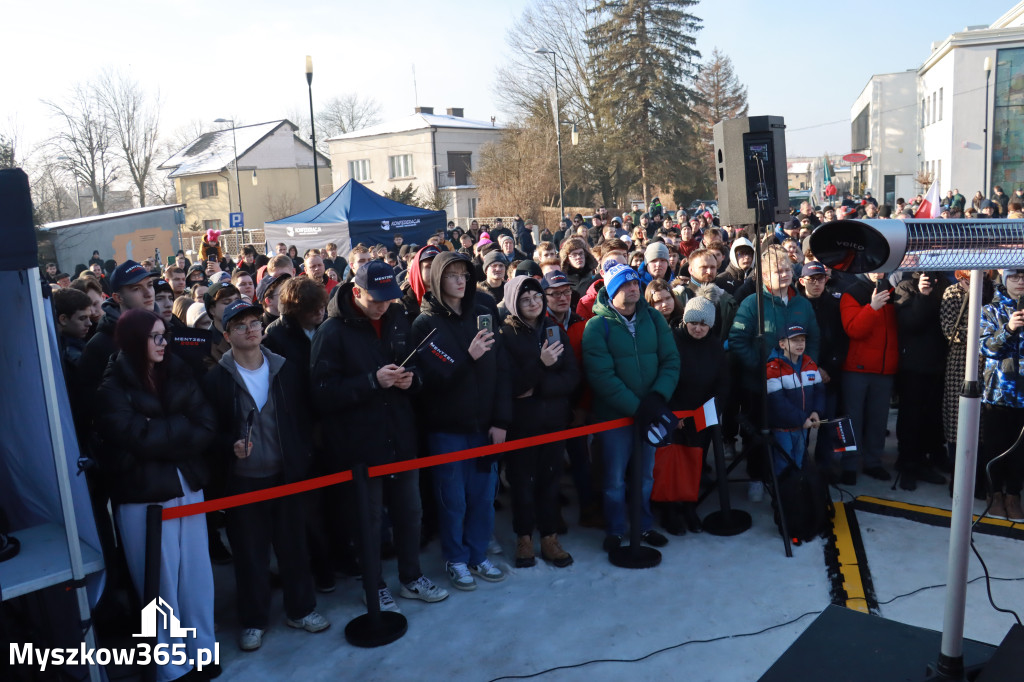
290, 231
385, 224
158, 614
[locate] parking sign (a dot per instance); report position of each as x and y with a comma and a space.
236, 219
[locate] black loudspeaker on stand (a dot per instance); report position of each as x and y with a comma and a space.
635, 555
375, 627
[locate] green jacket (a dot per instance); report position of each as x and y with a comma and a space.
622, 368
777, 317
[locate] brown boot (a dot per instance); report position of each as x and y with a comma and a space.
996, 507
552, 551
1013, 509
524, 552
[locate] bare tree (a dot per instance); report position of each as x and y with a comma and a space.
434, 198
281, 205
133, 117
517, 174
345, 114
84, 144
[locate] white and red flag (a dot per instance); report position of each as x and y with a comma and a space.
930, 207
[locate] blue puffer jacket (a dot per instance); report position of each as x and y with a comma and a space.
1002, 350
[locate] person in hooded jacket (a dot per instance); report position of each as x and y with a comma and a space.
153, 425
741, 261
578, 263
360, 386
418, 281
466, 402
544, 374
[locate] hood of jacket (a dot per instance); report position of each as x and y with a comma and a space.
433, 303
227, 361
516, 286
740, 241
419, 287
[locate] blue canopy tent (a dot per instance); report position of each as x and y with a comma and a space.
354, 215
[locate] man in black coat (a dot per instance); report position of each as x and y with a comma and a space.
360, 386
262, 442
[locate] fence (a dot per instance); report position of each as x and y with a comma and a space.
230, 241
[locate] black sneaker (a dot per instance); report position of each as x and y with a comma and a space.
878, 473
928, 475
612, 542
653, 538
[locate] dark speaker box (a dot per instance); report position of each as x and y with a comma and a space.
746, 149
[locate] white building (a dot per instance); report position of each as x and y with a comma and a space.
952, 85
931, 122
426, 150
884, 129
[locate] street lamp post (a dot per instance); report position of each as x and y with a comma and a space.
984, 158
238, 185
558, 129
312, 125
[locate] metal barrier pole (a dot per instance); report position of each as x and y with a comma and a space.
151, 581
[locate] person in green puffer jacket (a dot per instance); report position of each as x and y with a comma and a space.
630, 359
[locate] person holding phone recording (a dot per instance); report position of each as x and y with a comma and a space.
466, 402
544, 374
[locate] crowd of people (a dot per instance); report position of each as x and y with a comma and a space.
192, 381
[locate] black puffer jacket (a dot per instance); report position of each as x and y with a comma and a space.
923, 347
144, 439
285, 337
705, 376
346, 355
100, 348
547, 409
460, 394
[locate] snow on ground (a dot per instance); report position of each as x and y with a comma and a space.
705, 587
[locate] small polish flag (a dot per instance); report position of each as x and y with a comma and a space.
705, 415
930, 207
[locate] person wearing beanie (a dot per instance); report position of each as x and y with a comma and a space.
544, 374
211, 247
632, 364
529, 268
495, 268
655, 262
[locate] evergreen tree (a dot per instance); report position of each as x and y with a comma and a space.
720, 95
643, 54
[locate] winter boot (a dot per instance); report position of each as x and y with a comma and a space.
996, 506
524, 552
1013, 509
552, 551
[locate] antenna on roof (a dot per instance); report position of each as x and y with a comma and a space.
415, 92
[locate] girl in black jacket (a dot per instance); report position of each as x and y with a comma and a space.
154, 425
543, 375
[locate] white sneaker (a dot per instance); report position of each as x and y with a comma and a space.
311, 622
485, 570
755, 491
251, 639
494, 547
385, 600
423, 588
459, 574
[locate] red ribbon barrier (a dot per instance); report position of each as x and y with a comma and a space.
220, 503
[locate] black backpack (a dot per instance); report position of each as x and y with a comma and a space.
803, 497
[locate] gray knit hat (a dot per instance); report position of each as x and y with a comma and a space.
700, 309
655, 250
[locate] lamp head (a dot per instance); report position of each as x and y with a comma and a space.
988, 64
309, 69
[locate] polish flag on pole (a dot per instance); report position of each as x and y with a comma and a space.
930, 207
705, 415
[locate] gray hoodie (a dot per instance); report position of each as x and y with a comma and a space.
266, 458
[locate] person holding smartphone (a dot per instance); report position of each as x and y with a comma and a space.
544, 374
466, 402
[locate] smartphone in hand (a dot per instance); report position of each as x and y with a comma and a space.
882, 285
552, 333
484, 322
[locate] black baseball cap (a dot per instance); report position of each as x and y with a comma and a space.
239, 307
127, 273
555, 278
218, 290
377, 278
267, 282
162, 285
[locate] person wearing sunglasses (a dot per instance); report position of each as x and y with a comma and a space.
153, 426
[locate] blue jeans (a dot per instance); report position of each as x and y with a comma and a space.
618, 447
793, 443
465, 498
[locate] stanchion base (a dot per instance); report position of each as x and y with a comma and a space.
634, 557
362, 631
726, 523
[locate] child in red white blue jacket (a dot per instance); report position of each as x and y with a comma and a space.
796, 396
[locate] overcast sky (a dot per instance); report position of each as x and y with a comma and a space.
804, 60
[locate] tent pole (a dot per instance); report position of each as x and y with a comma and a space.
61, 463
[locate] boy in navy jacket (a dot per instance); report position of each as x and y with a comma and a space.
796, 396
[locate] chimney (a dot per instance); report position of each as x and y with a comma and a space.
424, 110
455, 111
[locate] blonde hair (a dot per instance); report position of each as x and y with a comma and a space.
774, 258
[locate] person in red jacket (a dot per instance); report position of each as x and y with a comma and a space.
869, 319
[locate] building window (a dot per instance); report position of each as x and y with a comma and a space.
940, 104
935, 102
1006, 144
861, 138
400, 166
924, 109
472, 207
359, 170
211, 224
208, 189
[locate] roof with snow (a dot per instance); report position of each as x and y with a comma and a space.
107, 216
418, 122
213, 152
799, 167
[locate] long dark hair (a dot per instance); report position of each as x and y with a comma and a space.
132, 336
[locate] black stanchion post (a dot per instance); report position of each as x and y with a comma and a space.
635, 555
726, 521
375, 627
151, 580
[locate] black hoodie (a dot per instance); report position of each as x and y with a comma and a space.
460, 395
